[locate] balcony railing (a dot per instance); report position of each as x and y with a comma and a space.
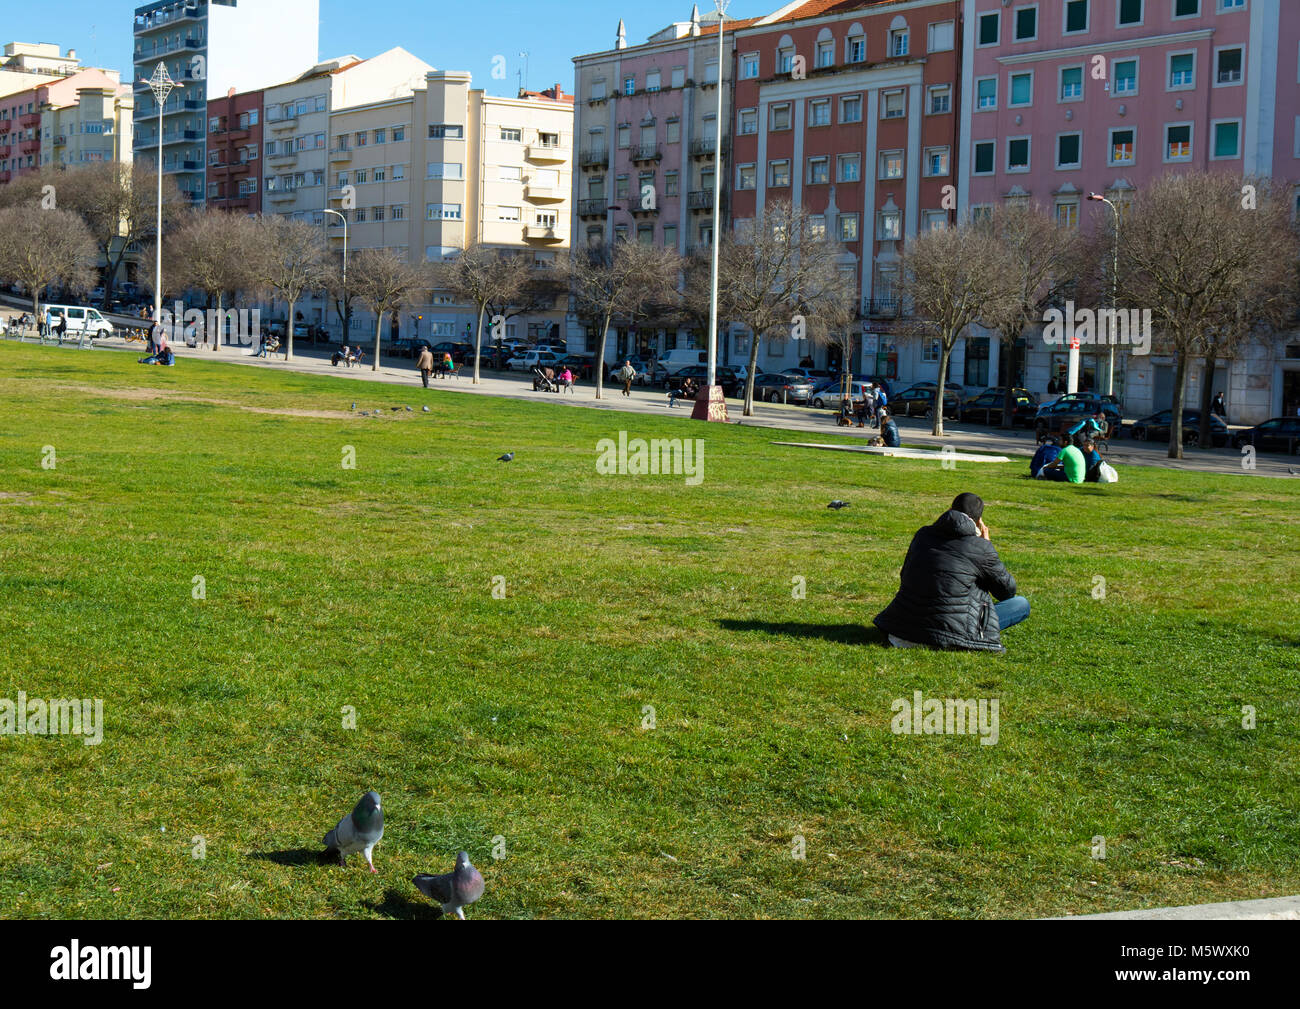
29, 146
700, 199
340, 154
6, 126
29, 119
593, 208
60, 141
283, 158
546, 152
596, 158
646, 152
704, 147
884, 307
542, 232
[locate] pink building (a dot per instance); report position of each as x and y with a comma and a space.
1069, 97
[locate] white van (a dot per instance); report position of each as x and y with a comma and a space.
81, 321
674, 361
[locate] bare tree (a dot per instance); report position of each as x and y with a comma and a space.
209, 251
1041, 257
482, 275
1193, 248
781, 274
290, 259
953, 277
384, 281
609, 282
343, 295
40, 248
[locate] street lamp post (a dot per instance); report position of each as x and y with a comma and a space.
1114, 288
721, 6
343, 217
162, 85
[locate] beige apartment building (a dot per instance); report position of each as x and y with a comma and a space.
430, 173
94, 126
27, 65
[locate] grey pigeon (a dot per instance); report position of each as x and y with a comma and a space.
359, 831
453, 891
395, 408
409, 410
354, 406
426, 409
1293, 472
837, 505
506, 458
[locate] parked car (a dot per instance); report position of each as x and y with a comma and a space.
1280, 434
987, 406
1156, 428
409, 346
533, 359
1074, 407
731, 382
828, 394
774, 388
81, 321
583, 366
919, 399
458, 350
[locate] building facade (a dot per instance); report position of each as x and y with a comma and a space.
210, 48
82, 118
234, 146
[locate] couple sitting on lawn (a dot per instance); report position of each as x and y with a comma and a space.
1072, 460
950, 572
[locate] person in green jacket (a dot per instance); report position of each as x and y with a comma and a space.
1070, 466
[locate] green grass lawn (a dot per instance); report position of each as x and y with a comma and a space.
522, 718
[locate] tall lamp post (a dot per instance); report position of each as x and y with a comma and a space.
1114, 288
713, 391
343, 217
162, 85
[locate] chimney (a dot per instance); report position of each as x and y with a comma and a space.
72, 54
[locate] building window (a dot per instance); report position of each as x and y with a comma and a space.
672, 131
891, 164
748, 121
1022, 90
847, 225
1067, 214
629, 85
893, 105
1231, 5
455, 170
817, 225
509, 214
990, 28
940, 99
1178, 142
446, 131
934, 220
399, 134
819, 112
778, 173
784, 61
1126, 77
986, 90
1227, 66
1182, 71
749, 66
652, 81
511, 135
1018, 154
1071, 83
1076, 17
940, 37
746, 176
624, 136
1123, 147
1187, 8
899, 41
1069, 150
819, 171
985, 154
1227, 139
851, 109
670, 184
849, 167
620, 187
891, 226
855, 49
678, 80
825, 54
1026, 21
781, 116
936, 161
1130, 12
444, 212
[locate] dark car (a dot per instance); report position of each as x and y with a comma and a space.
727, 377
1156, 428
919, 399
1067, 411
583, 366
409, 346
987, 406
1280, 434
459, 352
777, 388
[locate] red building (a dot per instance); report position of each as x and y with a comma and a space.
850, 109
235, 152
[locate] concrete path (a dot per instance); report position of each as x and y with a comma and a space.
1271, 909
914, 431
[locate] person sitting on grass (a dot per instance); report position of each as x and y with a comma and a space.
950, 571
1091, 461
1047, 453
1069, 466
888, 429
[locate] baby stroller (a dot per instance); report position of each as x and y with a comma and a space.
544, 379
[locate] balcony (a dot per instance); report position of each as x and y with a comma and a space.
700, 199
881, 308
6, 126
29, 146
182, 137
60, 141
29, 119
704, 147
180, 166
284, 123
340, 155
646, 152
542, 233
546, 152
594, 158
540, 193
593, 208
5, 176
161, 19
193, 103
284, 158
281, 195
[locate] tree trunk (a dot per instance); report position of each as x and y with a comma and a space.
600, 358
1207, 395
748, 409
288, 331
944, 355
478, 342
379, 328
1176, 417
1008, 408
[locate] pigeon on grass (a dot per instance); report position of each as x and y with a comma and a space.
837, 505
359, 831
506, 458
453, 891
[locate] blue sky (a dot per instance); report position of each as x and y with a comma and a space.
461, 35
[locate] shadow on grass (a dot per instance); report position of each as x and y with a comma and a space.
398, 905
844, 634
295, 856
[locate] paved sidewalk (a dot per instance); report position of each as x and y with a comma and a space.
777, 416
1271, 909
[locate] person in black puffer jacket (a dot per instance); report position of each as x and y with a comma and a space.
943, 596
